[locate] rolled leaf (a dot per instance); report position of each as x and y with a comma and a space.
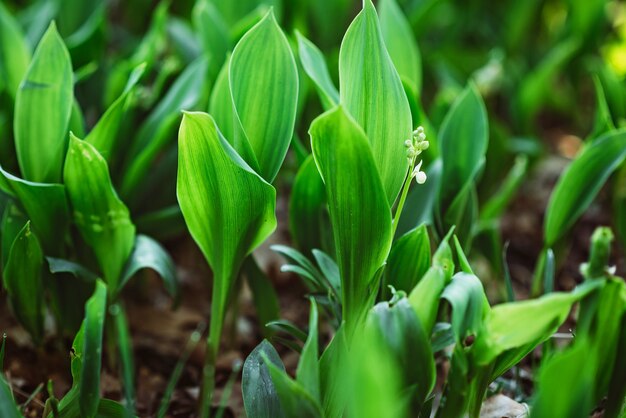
42, 110
409, 260
265, 104
359, 211
101, 217
371, 91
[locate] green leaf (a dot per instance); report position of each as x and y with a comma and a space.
23, 283
213, 33
8, 407
221, 103
264, 295
306, 208
13, 220
14, 52
424, 298
463, 142
408, 260
400, 330
104, 136
580, 183
265, 104
149, 254
46, 206
371, 91
401, 43
314, 65
359, 210
518, 324
226, 219
308, 373
259, 394
497, 204
156, 132
91, 361
333, 377
101, 217
124, 344
295, 401
42, 110
59, 265
563, 384
469, 303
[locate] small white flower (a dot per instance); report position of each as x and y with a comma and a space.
420, 176
408, 143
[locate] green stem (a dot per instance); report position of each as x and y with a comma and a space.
210, 356
405, 192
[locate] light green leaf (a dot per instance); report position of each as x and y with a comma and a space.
149, 254
42, 110
91, 356
359, 210
155, 134
226, 219
265, 104
401, 44
314, 65
213, 33
221, 104
581, 181
371, 91
14, 52
22, 281
104, 136
463, 142
259, 394
46, 206
295, 401
308, 373
101, 217
424, 298
518, 324
408, 260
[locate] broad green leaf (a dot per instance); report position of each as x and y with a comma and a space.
463, 142
469, 304
306, 208
308, 373
424, 298
401, 43
408, 260
265, 104
226, 219
563, 384
46, 206
359, 210
156, 132
14, 52
104, 136
8, 407
517, 324
149, 254
221, 104
259, 394
101, 217
617, 385
333, 381
371, 91
23, 282
42, 110
407, 341
295, 401
580, 183
314, 65
213, 33
91, 361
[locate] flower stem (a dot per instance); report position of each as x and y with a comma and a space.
405, 192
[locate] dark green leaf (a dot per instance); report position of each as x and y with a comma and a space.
42, 110
469, 304
408, 260
259, 393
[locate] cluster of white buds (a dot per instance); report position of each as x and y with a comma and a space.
415, 146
